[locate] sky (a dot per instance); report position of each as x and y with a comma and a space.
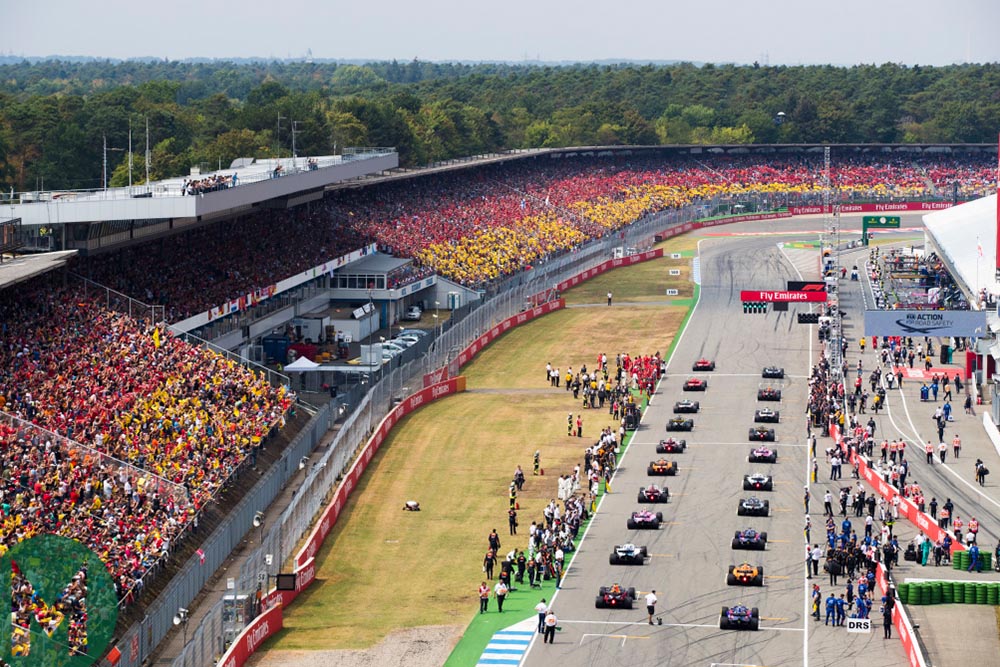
842, 32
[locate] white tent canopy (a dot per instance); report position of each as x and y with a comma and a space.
967, 236
302, 365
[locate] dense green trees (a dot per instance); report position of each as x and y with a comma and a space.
55, 115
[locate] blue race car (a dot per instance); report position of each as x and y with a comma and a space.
739, 618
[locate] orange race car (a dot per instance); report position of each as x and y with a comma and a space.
662, 467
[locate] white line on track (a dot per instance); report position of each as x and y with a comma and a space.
670, 625
743, 443
806, 599
680, 336
916, 444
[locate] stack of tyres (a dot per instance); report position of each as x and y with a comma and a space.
987, 559
903, 590
936, 597
993, 594
947, 592
925, 593
960, 560
981, 593
970, 593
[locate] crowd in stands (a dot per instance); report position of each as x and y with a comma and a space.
128, 393
482, 224
209, 184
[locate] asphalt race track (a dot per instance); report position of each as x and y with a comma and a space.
690, 553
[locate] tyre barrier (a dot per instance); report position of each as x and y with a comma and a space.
949, 592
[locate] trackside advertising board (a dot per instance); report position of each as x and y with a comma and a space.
925, 322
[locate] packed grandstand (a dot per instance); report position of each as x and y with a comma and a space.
92, 395
477, 225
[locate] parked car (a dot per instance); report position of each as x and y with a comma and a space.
413, 314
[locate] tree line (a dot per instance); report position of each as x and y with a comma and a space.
55, 115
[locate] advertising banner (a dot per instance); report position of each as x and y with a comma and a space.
891, 207
783, 296
925, 322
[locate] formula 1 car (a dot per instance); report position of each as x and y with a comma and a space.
745, 574
761, 434
614, 597
644, 520
754, 507
767, 415
680, 424
750, 539
671, 446
695, 384
739, 618
628, 554
768, 394
703, 365
653, 494
662, 467
763, 455
773, 372
758, 482
686, 406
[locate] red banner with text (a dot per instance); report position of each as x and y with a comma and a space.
252, 636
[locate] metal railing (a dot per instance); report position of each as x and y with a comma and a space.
247, 175
274, 378
120, 303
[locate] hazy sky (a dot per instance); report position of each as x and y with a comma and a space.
841, 32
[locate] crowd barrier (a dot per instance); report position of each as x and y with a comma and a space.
255, 634
907, 508
889, 207
901, 621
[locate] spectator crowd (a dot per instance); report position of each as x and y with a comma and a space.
160, 425
486, 223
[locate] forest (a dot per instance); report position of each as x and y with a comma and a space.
56, 115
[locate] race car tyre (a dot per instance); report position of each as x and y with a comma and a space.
763, 537
626, 604
599, 602
649, 470
632, 524
615, 559
724, 619
643, 552
769, 485
631, 593
754, 624
730, 578
642, 496
659, 516
741, 511
759, 580
603, 590
767, 508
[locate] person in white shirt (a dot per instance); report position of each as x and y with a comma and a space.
541, 608
651, 605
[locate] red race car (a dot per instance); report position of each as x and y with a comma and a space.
695, 384
703, 365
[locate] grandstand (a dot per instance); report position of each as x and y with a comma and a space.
92, 362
